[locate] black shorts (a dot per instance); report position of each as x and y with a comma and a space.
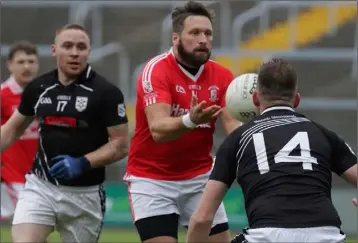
167, 225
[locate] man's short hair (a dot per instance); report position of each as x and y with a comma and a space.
191, 8
22, 46
72, 27
277, 81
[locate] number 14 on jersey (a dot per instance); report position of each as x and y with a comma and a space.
283, 156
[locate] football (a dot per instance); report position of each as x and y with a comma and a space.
239, 97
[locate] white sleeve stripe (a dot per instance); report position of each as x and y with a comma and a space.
146, 76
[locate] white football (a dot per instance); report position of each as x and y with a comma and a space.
239, 97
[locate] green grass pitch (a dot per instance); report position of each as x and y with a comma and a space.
108, 236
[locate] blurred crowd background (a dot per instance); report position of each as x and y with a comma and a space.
319, 38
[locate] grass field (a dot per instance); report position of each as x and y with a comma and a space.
108, 236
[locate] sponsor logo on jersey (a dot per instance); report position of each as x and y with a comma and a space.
45, 100
60, 121
194, 87
81, 103
147, 86
63, 97
180, 89
121, 110
179, 111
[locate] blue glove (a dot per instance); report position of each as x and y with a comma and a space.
67, 167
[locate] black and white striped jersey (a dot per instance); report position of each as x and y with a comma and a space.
73, 120
283, 163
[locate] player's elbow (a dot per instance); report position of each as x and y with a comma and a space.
158, 138
156, 135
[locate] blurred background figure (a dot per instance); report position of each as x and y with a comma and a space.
23, 66
319, 38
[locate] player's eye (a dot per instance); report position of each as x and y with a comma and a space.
67, 45
195, 32
208, 33
82, 46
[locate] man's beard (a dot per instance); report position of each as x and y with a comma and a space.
195, 58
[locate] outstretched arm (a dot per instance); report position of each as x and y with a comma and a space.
14, 128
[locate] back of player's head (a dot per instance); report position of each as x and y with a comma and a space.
277, 81
22, 46
191, 8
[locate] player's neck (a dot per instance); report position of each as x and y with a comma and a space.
192, 70
181, 61
268, 105
65, 80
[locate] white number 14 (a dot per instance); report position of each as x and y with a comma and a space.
301, 139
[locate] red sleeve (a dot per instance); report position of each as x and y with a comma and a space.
153, 86
228, 77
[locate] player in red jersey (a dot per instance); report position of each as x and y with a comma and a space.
17, 160
179, 96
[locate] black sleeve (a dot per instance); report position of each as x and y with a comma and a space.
343, 156
113, 108
29, 99
225, 162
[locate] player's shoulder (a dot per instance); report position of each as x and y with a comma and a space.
5, 89
100, 84
157, 64
44, 80
222, 70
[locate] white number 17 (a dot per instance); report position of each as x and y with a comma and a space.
61, 105
283, 156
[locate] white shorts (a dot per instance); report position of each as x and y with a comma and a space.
299, 235
77, 213
149, 197
9, 195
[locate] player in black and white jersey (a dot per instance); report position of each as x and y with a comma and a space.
83, 128
283, 162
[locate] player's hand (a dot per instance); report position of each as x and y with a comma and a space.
67, 167
355, 202
198, 115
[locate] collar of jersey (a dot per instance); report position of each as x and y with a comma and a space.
84, 76
14, 85
277, 107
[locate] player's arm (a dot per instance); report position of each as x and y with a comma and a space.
21, 118
14, 128
156, 94
228, 122
115, 118
221, 178
344, 160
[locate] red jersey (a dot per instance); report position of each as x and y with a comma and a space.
17, 160
163, 80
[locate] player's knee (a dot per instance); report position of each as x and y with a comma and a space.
220, 233
162, 228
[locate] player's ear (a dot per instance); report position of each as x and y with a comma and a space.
255, 99
175, 38
297, 100
9, 66
53, 50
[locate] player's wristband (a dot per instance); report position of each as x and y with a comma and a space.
187, 122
